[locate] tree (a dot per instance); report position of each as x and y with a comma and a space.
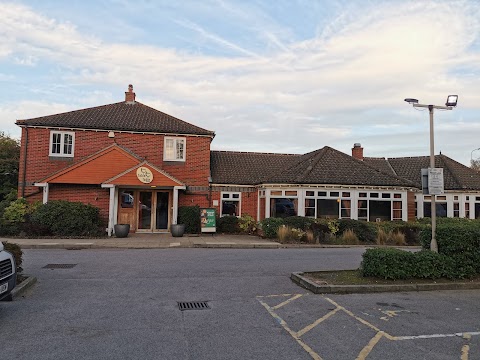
9, 163
475, 164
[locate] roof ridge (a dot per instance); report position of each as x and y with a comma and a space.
452, 173
253, 152
316, 158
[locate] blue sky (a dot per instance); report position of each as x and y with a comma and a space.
266, 76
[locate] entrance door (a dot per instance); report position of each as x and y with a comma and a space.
153, 210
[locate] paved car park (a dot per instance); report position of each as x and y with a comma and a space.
123, 304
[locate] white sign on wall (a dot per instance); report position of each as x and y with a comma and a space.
435, 181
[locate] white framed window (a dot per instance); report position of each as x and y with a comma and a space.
62, 143
231, 203
174, 149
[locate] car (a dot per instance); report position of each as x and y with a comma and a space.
8, 274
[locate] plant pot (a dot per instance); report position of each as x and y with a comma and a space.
177, 230
121, 230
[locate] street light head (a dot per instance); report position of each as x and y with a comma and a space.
452, 100
411, 101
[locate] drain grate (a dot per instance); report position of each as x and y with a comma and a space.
59, 266
193, 305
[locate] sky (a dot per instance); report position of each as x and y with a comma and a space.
284, 76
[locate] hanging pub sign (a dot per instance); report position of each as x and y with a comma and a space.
144, 175
207, 220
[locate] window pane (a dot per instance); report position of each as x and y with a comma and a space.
67, 144
225, 196
310, 193
345, 194
275, 193
380, 210
397, 196
283, 207
334, 193
56, 139
362, 195
327, 209
310, 212
169, 153
322, 193
362, 204
374, 195
385, 196
290, 193
230, 207
236, 196
310, 203
180, 149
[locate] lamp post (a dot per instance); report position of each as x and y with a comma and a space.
449, 105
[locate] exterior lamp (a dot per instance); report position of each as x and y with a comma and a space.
449, 105
452, 100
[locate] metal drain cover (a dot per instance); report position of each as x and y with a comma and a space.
193, 305
59, 266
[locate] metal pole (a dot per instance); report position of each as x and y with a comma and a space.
433, 243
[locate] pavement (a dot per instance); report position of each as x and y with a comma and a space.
151, 241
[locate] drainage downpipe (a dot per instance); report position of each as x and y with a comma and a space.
25, 162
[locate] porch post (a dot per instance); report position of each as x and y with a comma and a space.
175, 203
111, 208
45, 189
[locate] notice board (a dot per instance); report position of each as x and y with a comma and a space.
208, 220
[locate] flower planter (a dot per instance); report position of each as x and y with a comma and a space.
121, 230
177, 230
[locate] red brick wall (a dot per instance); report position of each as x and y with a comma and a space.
194, 171
248, 199
262, 209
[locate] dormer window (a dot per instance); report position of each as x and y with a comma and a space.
174, 149
62, 143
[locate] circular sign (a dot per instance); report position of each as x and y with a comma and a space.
144, 175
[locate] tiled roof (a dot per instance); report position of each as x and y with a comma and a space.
381, 164
323, 166
121, 117
456, 176
246, 168
330, 166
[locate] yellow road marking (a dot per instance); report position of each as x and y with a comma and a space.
292, 333
365, 322
311, 326
287, 301
465, 350
369, 347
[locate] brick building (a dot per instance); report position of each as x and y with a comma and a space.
138, 165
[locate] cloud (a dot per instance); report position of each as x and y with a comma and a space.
336, 87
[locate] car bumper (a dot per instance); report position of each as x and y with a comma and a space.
11, 282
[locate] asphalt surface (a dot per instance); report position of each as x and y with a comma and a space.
122, 304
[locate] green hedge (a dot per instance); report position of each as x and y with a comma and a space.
228, 224
395, 264
190, 216
64, 218
298, 222
459, 240
410, 229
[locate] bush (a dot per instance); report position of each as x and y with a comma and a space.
365, 231
394, 264
17, 253
387, 263
64, 218
270, 227
190, 216
411, 230
298, 222
228, 224
459, 240
247, 224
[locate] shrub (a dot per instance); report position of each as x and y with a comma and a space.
287, 234
411, 230
228, 224
365, 231
382, 237
247, 224
190, 216
298, 222
395, 264
321, 231
349, 238
17, 253
459, 240
397, 238
64, 218
309, 237
270, 227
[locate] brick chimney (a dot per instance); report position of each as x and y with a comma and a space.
357, 151
130, 95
